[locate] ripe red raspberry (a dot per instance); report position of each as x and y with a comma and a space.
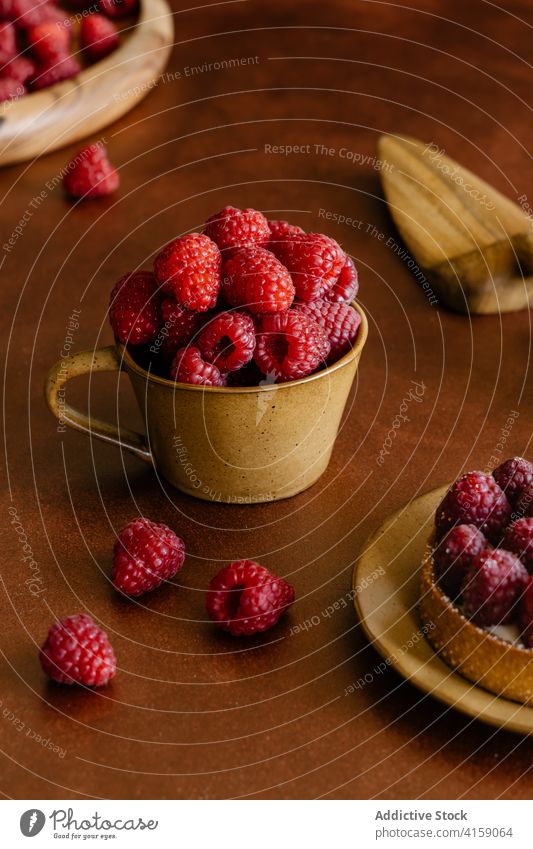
255, 279
290, 345
340, 321
245, 598
526, 615
118, 8
49, 42
314, 261
146, 554
27, 13
133, 308
90, 174
228, 341
10, 89
513, 476
518, 538
8, 43
281, 231
188, 268
178, 327
98, 37
233, 228
492, 586
20, 69
454, 554
474, 499
189, 367
58, 72
346, 286
77, 651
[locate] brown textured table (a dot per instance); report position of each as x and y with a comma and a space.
192, 713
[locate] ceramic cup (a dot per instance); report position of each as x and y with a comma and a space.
230, 444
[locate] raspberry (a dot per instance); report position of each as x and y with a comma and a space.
524, 501
245, 598
228, 341
314, 261
346, 286
513, 476
146, 554
474, 499
90, 174
179, 326
188, 268
339, 320
526, 615
10, 89
519, 539
8, 43
189, 367
290, 345
233, 228
492, 586
255, 279
28, 13
133, 311
77, 651
49, 42
20, 69
98, 37
282, 231
118, 8
454, 554
58, 72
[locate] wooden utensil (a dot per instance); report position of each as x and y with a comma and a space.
473, 244
46, 120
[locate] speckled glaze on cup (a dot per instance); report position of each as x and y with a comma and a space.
230, 444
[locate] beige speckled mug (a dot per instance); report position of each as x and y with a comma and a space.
236, 445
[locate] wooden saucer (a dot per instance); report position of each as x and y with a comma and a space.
386, 585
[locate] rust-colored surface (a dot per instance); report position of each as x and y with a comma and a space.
192, 713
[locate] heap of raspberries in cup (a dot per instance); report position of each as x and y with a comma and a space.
484, 557
245, 301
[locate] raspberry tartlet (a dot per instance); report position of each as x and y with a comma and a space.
477, 590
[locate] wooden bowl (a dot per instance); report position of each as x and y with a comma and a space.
54, 117
496, 663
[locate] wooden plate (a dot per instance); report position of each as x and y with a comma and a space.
386, 583
46, 120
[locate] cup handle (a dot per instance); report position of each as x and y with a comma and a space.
89, 362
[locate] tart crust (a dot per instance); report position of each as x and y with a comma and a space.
497, 665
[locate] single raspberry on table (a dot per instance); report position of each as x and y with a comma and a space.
49, 42
178, 326
518, 538
90, 174
314, 262
98, 37
188, 269
526, 614
21, 69
474, 499
346, 286
492, 586
228, 341
8, 43
513, 477
189, 367
255, 279
146, 554
118, 8
340, 321
290, 345
57, 72
454, 554
245, 598
77, 651
233, 228
10, 89
281, 231
133, 308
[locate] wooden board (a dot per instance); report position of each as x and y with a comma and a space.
386, 585
474, 245
46, 120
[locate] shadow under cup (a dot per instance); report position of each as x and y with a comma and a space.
230, 444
